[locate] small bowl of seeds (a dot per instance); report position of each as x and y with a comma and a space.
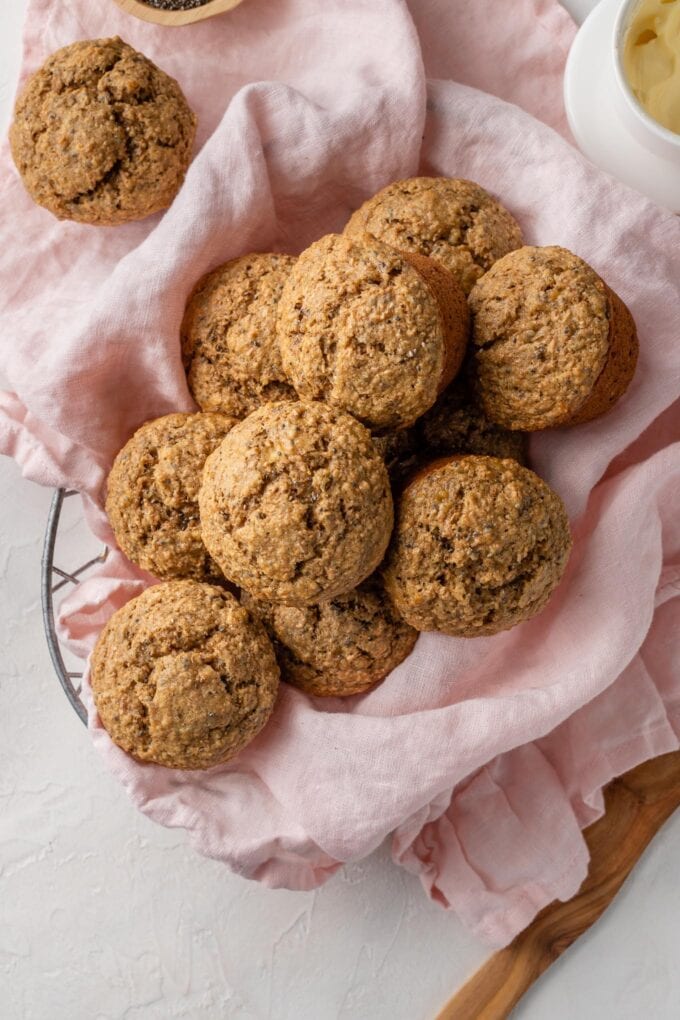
176, 12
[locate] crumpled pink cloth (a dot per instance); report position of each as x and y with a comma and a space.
484, 758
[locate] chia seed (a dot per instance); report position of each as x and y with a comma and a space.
175, 5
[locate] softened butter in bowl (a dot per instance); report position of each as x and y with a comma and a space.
651, 59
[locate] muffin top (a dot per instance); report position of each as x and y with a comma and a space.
229, 346
455, 222
541, 335
340, 647
479, 545
152, 497
360, 327
184, 676
457, 424
295, 504
101, 135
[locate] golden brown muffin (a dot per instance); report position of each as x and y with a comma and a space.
296, 504
372, 331
101, 135
454, 222
152, 497
457, 424
340, 647
184, 676
229, 346
479, 546
553, 345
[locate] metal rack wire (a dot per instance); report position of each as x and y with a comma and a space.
53, 580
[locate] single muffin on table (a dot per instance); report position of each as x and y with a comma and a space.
552, 343
229, 346
371, 330
295, 503
152, 494
340, 647
479, 545
453, 221
101, 135
183, 676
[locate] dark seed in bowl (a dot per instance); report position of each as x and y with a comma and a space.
175, 5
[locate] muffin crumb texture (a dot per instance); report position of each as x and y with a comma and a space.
101, 135
479, 545
453, 221
457, 424
152, 498
183, 676
229, 345
296, 504
340, 647
401, 453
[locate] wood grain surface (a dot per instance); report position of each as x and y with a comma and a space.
637, 805
177, 18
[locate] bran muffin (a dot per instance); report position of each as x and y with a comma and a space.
553, 345
229, 346
183, 676
479, 546
340, 647
370, 330
296, 504
455, 222
152, 497
457, 424
101, 135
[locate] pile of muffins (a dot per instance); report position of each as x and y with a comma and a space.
357, 472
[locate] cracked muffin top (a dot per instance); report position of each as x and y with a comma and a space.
152, 494
295, 503
457, 424
183, 676
374, 331
553, 345
340, 647
454, 221
229, 346
479, 546
101, 135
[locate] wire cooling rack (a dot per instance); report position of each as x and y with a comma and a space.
56, 580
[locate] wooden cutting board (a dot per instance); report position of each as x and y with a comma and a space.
637, 805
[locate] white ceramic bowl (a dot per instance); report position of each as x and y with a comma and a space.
650, 133
607, 121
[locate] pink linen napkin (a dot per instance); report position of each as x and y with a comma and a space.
483, 758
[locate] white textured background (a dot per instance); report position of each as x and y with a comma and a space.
104, 915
